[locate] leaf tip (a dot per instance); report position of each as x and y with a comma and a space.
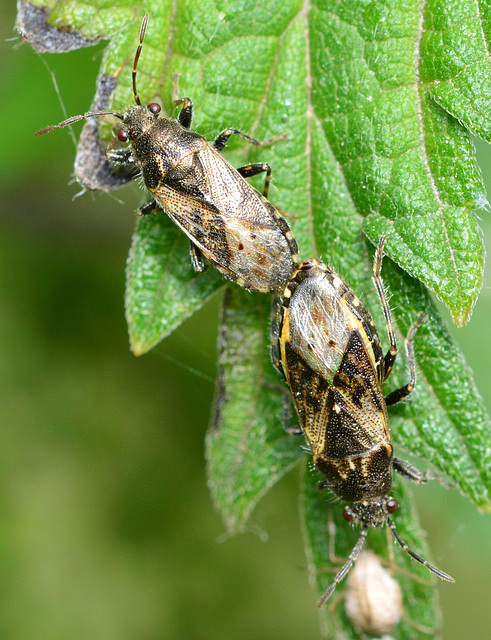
461, 315
139, 347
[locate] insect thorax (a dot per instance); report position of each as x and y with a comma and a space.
159, 139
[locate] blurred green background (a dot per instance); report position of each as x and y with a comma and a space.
107, 530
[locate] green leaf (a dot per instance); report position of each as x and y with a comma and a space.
408, 166
364, 81
248, 449
436, 423
330, 539
376, 113
456, 64
162, 288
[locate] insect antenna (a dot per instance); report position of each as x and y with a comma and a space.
89, 114
346, 567
437, 572
96, 114
137, 57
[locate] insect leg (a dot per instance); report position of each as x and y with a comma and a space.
275, 333
295, 430
399, 394
197, 259
291, 430
222, 139
119, 156
391, 354
250, 170
411, 473
148, 208
185, 116
406, 470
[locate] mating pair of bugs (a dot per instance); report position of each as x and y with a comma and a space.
327, 346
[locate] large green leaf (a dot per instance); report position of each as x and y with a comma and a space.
376, 111
456, 65
248, 449
163, 290
359, 78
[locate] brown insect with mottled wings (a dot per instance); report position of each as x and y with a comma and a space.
331, 357
228, 221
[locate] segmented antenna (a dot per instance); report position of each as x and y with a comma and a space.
437, 572
96, 114
356, 552
346, 567
68, 121
137, 57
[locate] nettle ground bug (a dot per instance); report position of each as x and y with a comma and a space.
331, 357
226, 219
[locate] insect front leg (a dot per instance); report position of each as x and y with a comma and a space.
119, 156
185, 117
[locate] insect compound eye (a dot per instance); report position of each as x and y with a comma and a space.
154, 108
392, 505
347, 514
122, 136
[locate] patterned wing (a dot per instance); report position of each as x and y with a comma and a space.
232, 224
319, 331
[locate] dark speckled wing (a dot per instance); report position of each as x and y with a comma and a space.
330, 365
358, 419
237, 229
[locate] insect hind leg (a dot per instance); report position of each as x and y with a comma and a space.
390, 356
197, 259
150, 207
250, 170
399, 394
275, 333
